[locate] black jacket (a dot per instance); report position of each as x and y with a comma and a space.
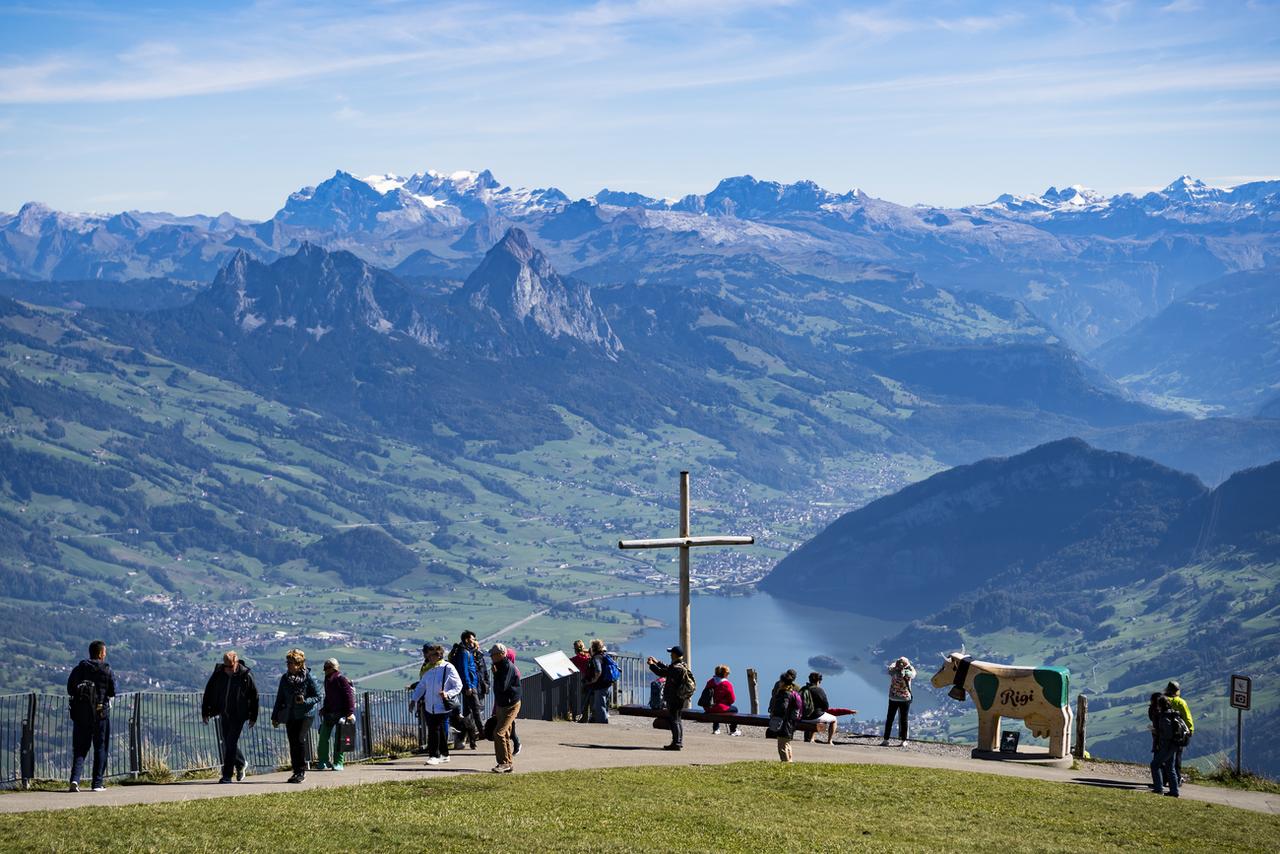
104, 681
232, 695
506, 684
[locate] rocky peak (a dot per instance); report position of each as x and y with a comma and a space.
515, 303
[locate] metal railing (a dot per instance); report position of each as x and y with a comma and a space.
161, 735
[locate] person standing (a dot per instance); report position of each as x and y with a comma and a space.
900, 675
1173, 691
578, 692
784, 713
676, 693
297, 696
1165, 727
719, 690
339, 708
91, 687
466, 659
598, 683
506, 705
231, 695
814, 705
437, 697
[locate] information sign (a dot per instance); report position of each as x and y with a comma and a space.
1241, 692
556, 665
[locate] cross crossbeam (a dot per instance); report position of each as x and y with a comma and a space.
684, 543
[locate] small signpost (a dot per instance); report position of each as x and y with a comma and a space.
1241, 700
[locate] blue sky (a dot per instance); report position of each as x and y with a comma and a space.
203, 107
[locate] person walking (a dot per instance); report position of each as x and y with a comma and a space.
231, 696
466, 659
900, 675
598, 682
506, 705
1173, 691
677, 692
1166, 726
339, 708
90, 687
720, 698
437, 697
784, 713
297, 696
814, 705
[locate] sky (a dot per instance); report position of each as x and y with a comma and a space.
206, 107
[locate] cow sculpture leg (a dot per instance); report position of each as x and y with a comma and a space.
988, 731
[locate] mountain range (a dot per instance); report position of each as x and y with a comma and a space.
1090, 266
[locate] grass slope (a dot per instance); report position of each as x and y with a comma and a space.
746, 807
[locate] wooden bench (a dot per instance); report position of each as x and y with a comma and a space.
692, 714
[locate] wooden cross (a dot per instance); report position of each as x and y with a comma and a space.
684, 542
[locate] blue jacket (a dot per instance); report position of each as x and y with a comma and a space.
285, 709
464, 661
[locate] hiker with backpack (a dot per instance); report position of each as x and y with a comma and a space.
581, 659
718, 698
90, 688
677, 693
1173, 692
900, 675
602, 672
1171, 734
814, 705
784, 713
231, 695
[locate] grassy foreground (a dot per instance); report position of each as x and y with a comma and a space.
746, 807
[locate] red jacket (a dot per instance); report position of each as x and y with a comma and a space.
580, 661
722, 696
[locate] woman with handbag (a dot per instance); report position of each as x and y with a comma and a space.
436, 695
784, 713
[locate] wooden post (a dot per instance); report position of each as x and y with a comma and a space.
751, 691
1082, 713
685, 639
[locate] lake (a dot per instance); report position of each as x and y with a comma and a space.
772, 635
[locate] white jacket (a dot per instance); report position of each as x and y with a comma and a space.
442, 677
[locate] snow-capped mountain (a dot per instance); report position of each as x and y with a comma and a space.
1092, 265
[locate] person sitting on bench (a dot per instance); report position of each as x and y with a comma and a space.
815, 705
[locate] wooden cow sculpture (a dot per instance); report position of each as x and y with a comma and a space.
1037, 695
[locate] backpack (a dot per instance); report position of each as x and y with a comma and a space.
807, 707
611, 672
655, 694
84, 698
708, 696
688, 685
1181, 733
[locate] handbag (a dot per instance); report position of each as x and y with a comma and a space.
707, 697
347, 736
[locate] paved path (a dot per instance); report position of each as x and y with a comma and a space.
556, 746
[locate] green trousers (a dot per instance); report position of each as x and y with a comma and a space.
327, 732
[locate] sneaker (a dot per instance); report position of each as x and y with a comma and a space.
74, 787
503, 768
736, 732
444, 759
337, 766
99, 788
715, 731
434, 760
516, 752
884, 742
1166, 794
224, 780
296, 778
905, 742
673, 747
239, 773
